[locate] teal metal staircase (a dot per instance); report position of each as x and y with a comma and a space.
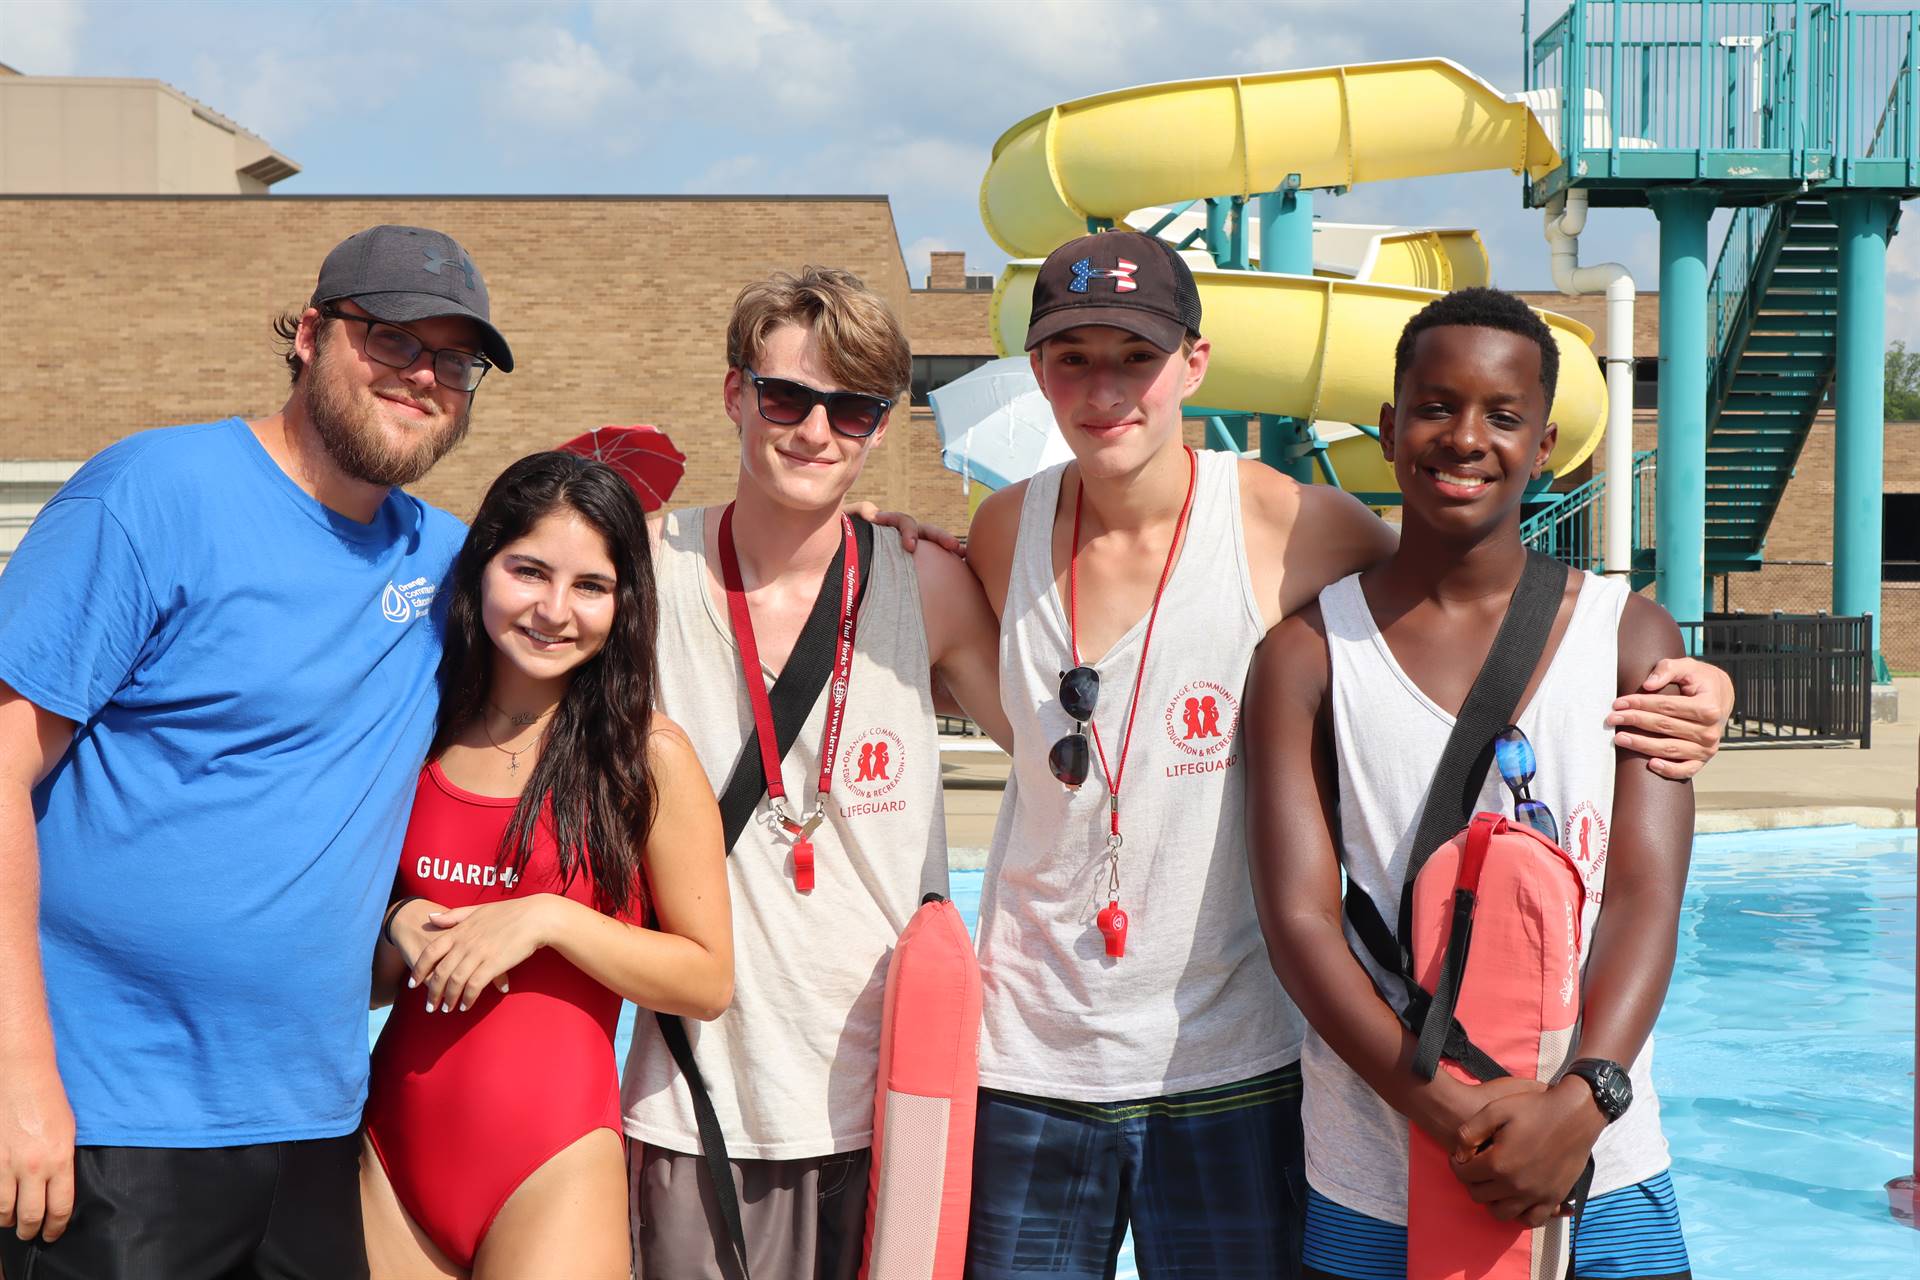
1774, 316
1774, 324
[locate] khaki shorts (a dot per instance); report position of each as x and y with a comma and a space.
804, 1219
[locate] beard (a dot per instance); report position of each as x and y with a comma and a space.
348, 422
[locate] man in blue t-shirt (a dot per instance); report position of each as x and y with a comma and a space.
217, 647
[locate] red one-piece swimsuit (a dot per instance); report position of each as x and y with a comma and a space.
462, 1107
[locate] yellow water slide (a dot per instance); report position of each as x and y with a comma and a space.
1318, 347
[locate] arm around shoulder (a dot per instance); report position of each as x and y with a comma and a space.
1302, 538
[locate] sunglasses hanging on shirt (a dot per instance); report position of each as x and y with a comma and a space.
1071, 758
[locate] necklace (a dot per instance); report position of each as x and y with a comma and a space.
521, 721
1112, 921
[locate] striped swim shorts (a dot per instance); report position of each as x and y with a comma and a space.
1629, 1234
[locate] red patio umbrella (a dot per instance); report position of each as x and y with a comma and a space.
642, 455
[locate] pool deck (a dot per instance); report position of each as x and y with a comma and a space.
1746, 789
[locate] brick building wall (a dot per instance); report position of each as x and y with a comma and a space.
124, 314
950, 322
127, 313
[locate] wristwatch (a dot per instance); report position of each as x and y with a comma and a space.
1612, 1090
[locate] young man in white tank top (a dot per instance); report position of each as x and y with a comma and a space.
1157, 1087
815, 364
1351, 703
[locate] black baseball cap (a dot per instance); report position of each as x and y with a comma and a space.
410, 273
1123, 279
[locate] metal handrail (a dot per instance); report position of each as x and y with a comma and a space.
1573, 528
1812, 80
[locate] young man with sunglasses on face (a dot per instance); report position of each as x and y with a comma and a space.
217, 656
833, 860
1139, 1061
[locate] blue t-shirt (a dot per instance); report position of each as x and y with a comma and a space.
252, 677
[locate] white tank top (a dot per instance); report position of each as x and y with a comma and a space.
791, 1065
1388, 739
1194, 1002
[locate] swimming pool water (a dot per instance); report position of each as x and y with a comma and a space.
1785, 1053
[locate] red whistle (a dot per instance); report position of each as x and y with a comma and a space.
803, 866
1113, 927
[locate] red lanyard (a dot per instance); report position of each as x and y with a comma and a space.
800, 831
1112, 921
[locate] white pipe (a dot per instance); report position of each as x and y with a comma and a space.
1566, 219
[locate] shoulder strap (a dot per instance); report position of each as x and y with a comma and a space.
792, 697
1490, 706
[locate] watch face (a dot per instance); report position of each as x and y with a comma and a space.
1611, 1089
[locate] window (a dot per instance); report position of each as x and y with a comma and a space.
930, 373
1646, 382
1900, 537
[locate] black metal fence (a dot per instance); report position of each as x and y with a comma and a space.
1797, 677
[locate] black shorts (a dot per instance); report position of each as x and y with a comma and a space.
275, 1210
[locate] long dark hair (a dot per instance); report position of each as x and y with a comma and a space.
593, 767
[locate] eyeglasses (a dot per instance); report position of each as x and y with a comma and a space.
851, 413
1070, 760
394, 347
1514, 756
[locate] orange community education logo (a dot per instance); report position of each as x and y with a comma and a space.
873, 763
1202, 718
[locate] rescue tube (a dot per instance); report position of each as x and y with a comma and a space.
921, 1185
1519, 1002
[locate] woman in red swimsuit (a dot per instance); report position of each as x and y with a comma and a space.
557, 812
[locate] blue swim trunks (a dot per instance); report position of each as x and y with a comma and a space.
1629, 1234
1211, 1181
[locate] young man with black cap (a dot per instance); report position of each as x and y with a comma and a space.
1139, 1060
217, 650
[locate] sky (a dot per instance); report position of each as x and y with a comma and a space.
897, 97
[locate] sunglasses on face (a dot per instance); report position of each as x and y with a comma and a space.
1513, 754
394, 347
787, 403
1070, 759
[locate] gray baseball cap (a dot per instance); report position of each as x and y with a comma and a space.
410, 273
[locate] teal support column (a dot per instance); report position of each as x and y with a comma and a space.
1219, 210
1680, 518
1286, 230
1859, 401
1286, 245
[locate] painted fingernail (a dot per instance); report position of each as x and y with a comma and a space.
412, 983
463, 1006
446, 1006
429, 1006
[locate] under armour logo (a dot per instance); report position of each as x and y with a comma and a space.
1121, 274
435, 261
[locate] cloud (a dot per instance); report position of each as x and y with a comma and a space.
41, 37
1903, 290
566, 84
